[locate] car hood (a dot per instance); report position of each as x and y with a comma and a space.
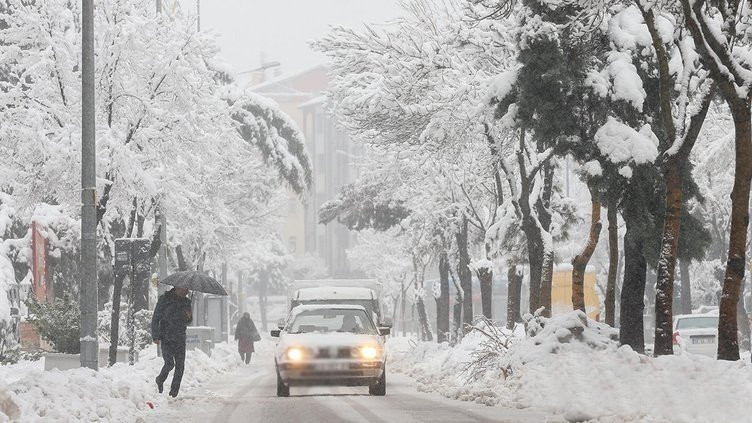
327, 340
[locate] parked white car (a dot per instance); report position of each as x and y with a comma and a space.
696, 333
330, 345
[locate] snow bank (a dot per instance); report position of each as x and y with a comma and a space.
573, 367
118, 393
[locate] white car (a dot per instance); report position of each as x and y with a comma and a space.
330, 345
696, 333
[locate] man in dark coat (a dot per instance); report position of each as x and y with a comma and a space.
171, 316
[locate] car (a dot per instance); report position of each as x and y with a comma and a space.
332, 344
696, 334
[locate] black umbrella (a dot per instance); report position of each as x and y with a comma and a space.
195, 281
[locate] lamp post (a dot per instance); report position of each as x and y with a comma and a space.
89, 295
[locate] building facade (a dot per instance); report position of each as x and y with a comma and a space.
300, 95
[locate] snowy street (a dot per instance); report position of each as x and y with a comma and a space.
376, 211
247, 394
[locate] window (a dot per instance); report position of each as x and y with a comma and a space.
332, 320
697, 323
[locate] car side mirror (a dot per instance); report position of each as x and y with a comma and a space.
275, 333
383, 331
388, 322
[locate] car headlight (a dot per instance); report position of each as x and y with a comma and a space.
295, 354
369, 352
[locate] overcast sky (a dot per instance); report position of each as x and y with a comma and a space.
281, 29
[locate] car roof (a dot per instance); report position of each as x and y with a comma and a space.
685, 316
308, 307
334, 293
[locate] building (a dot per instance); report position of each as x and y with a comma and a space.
301, 95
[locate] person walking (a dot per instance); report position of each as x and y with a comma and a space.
171, 317
246, 334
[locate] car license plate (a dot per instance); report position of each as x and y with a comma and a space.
332, 367
703, 339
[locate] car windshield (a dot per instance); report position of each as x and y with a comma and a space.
332, 320
697, 323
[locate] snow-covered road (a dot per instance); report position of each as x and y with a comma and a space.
248, 395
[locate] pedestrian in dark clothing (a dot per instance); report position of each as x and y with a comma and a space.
171, 316
246, 334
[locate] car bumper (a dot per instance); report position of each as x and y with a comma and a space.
340, 373
709, 350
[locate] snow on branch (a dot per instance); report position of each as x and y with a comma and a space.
262, 123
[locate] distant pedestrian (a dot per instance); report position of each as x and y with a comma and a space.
171, 317
246, 334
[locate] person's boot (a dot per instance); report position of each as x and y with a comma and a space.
173, 393
160, 385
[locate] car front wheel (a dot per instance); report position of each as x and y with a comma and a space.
379, 388
282, 389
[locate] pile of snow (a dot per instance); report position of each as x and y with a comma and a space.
117, 393
572, 366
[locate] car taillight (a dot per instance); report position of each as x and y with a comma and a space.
675, 339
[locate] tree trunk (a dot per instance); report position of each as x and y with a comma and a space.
728, 344
547, 275
466, 277
117, 291
667, 260
485, 278
425, 328
580, 261
633, 291
442, 302
263, 285
182, 264
686, 287
613, 263
543, 208
535, 260
403, 302
456, 309
514, 293
241, 295
743, 319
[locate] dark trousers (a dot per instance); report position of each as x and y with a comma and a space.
246, 357
173, 354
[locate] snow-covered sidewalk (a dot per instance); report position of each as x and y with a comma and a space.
118, 393
585, 377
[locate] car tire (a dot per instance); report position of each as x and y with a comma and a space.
282, 389
379, 388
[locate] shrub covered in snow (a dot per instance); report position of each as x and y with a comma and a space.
57, 322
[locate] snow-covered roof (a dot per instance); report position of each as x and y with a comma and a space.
334, 293
281, 79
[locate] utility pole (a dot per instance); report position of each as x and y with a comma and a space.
89, 295
162, 261
198, 15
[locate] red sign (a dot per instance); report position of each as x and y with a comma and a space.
39, 262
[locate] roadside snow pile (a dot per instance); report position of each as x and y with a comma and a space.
118, 393
573, 367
